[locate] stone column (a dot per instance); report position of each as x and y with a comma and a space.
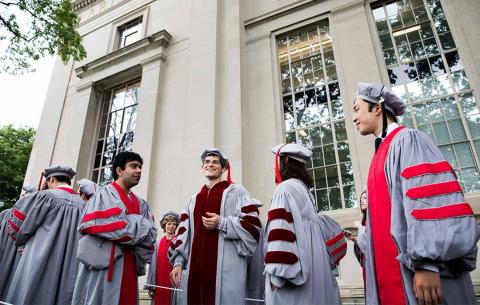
145, 129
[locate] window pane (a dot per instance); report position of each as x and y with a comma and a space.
121, 113
307, 61
464, 155
457, 131
320, 178
473, 123
335, 199
350, 196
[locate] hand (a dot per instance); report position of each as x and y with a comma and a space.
212, 221
151, 293
176, 276
427, 287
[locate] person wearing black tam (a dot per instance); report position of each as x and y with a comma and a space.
218, 231
45, 224
420, 232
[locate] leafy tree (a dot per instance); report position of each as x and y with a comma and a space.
30, 29
15, 147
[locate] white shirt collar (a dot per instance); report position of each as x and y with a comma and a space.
391, 127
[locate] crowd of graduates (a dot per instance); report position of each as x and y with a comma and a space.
416, 241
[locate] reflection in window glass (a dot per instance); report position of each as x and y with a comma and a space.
117, 130
313, 111
427, 72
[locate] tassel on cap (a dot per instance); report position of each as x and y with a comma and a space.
278, 176
40, 182
229, 177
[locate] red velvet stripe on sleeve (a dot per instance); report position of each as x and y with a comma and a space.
13, 226
436, 189
177, 244
339, 249
280, 257
334, 240
181, 230
19, 215
183, 217
252, 220
250, 209
250, 229
447, 211
109, 227
427, 168
340, 258
281, 234
102, 214
280, 214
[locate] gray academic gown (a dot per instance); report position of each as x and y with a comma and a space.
302, 249
235, 245
431, 231
139, 233
45, 223
8, 254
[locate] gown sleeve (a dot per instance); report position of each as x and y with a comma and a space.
441, 230
334, 239
244, 226
103, 218
152, 270
282, 257
28, 214
180, 248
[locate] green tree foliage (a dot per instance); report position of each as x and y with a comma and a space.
30, 29
15, 147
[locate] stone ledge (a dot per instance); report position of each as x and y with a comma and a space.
160, 39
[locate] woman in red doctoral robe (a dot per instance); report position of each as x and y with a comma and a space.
159, 273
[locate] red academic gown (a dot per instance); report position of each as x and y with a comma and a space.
162, 274
387, 267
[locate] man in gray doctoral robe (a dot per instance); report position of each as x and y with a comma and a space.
218, 232
9, 253
118, 220
45, 224
421, 233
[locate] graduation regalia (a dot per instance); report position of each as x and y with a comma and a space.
159, 272
8, 254
125, 219
302, 249
417, 215
215, 261
45, 223
418, 218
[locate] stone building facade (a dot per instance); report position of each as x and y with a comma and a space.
168, 78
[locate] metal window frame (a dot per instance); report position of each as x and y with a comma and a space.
456, 94
331, 121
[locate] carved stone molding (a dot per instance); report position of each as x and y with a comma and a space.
81, 4
158, 40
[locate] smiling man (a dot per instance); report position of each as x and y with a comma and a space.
119, 237
219, 230
421, 233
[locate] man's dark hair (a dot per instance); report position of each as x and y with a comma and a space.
63, 179
389, 114
122, 159
291, 168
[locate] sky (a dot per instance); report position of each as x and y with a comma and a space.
22, 96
